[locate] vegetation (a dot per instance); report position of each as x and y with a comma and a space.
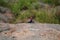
22, 9
52, 2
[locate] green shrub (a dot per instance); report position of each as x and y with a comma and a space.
41, 16
17, 6
2, 3
57, 13
52, 2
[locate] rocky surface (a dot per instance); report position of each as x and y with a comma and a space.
5, 15
24, 31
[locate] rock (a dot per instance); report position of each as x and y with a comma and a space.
5, 14
4, 28
4, 9
24, 31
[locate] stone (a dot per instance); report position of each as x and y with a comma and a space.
26, 31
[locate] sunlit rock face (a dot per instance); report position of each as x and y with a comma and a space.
24, 31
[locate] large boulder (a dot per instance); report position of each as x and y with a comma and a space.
24, 31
